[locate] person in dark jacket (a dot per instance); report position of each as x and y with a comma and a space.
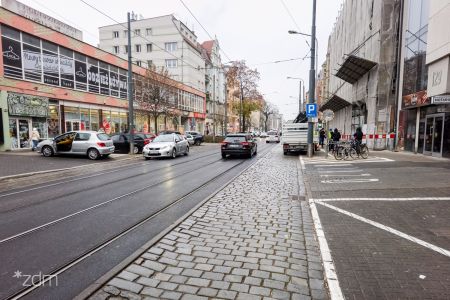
336, 135
358, 136
321, 137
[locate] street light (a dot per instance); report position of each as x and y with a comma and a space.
300, 94
312, 75
317, 45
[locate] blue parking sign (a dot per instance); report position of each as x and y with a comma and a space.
311, 110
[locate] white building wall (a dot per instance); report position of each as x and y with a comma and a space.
164, 29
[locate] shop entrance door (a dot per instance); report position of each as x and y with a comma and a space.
20, 132
434, 133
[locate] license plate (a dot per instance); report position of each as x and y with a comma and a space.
154, 152
234, 146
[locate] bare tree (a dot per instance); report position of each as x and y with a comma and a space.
245, 81
267, 109
156, 94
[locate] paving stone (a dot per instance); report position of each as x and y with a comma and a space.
208, 292
126, 285
173, 270
178, 279
223, 285
153, 265
130, 295
169, 286
226, 294
192, 273
261, 274
245, 296
111, 290
140, 270
262, 291
187, 289
280, 277
233, 278
252, 280
204, 267
280, 294
171, 295
222, 269
151, 282
273, 284
213, 275
193, 297
198, 282
156, 250
162, 276
239, 287
272, 269
152, 292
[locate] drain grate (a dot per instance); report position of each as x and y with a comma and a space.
297, 198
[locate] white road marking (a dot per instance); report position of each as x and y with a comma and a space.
330, 270
333, 165
347, 175
344, 171
385, 199
357, 180
389, 229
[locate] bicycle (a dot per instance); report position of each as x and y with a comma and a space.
345, 150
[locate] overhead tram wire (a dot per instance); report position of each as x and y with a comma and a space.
192, 14
293, 20
122, 24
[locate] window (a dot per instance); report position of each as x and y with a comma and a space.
149, 63
115, 34
138, 48
171, 63
149, 47
171, 46
137, 32
148, 31
116, 49
126, 48
125, 33
139, 63
82, 136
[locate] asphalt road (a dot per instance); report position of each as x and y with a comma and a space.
56, 218
386, 223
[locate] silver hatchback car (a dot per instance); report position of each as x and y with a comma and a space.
166, 145
91, 143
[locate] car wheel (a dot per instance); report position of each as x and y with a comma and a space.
47, 151
187, 151
256, 150
93, 154
135, 149
174, 153
285, 152
224, 155
147, 158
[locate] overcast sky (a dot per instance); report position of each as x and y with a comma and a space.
250, 30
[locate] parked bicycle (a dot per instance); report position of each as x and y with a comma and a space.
349, 149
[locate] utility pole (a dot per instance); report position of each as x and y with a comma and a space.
300, 99
241, 119
130, 90
312, 80
225, 126
214, 106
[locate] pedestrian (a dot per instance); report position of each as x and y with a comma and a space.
35, 138
321, 137
358, 136
336, 135
330, 140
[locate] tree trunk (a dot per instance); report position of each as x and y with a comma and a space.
156, 124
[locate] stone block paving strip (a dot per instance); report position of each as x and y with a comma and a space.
254, 239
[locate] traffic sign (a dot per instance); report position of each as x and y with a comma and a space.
328, 115
311, 110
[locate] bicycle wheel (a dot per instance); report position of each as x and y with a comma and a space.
338, 153
364, 152
352, 153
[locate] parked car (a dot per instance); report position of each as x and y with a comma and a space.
121, 142
91, 143
166, 145
239, 144
273, 137
263, 135
148, 137
189, 138
198, 137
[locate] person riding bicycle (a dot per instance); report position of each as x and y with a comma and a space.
358, 139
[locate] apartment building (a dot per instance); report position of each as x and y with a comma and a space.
162, 41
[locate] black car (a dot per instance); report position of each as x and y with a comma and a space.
239, 144
198, 137
121, 143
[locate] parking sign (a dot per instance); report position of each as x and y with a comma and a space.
311, 110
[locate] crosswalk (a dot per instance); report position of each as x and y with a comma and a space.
331, 171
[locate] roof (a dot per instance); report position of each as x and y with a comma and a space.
354, 68
335, 103
207, 45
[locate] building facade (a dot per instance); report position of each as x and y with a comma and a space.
361, 71
56, 83
424, 104
215, 86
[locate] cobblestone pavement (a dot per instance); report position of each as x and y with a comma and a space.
386, 223
254, 239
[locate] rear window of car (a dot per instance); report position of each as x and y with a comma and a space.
235, 139
103, 137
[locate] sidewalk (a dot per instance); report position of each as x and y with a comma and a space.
254, 239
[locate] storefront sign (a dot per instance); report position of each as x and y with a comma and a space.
416, 100
444, 99
27, 105
41, 18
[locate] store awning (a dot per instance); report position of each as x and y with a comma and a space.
335, 103
354, 68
